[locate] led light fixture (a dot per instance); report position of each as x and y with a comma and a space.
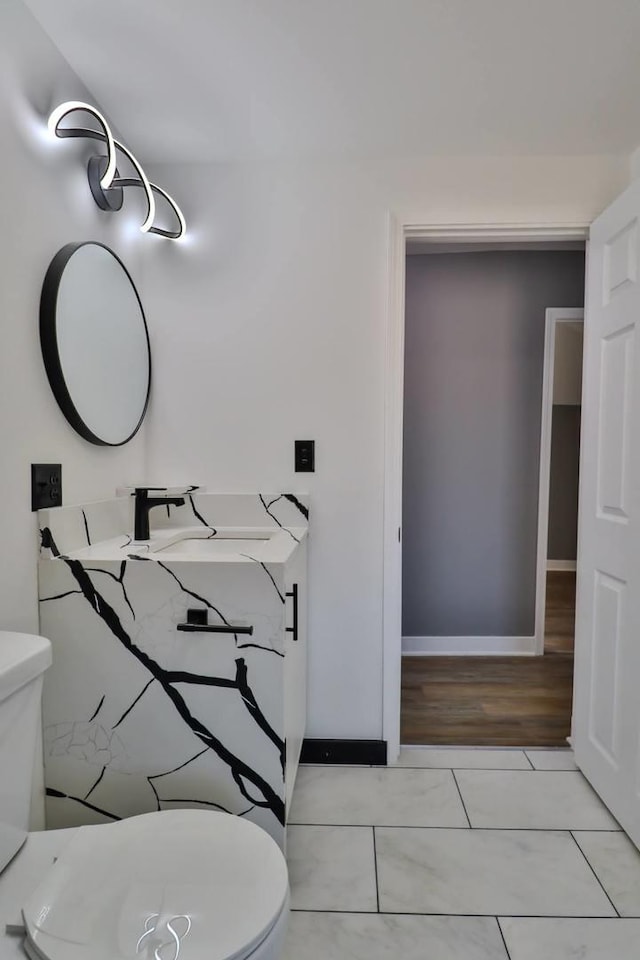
105, 181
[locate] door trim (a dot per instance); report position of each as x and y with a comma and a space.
553, 316
399, 231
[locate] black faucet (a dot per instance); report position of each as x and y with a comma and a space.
144, 503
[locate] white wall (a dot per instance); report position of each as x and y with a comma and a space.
270, 325
45, 203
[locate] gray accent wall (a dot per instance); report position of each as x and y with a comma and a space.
473, 395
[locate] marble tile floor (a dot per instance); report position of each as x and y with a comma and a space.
459, 854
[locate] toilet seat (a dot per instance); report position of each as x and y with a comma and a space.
178, 883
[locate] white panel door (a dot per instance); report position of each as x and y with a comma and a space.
606, 717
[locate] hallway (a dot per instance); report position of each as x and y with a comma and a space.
497, 701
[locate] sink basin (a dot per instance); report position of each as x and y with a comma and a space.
215, 547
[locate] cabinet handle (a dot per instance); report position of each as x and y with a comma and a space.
293, 593
198, 622
214, 628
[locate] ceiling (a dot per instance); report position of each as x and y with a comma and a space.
229, 79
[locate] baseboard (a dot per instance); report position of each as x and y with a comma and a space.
468, 646
360, 752
561, 565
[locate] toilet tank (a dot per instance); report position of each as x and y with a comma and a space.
23, 661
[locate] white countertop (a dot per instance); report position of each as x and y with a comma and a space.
200, 544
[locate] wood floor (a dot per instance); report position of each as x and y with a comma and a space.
496, 701
560, 612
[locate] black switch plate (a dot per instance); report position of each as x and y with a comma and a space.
305, 456
46, 485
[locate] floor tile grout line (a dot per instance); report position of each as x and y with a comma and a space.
396, 767
455, 780
503, 938
503, 916
421, 826
593, 871
375, 867
573, 770
530, 769
408, 766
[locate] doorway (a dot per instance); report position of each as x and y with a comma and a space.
559, 480
490, 465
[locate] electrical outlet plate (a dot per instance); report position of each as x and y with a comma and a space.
305, 456
46, 485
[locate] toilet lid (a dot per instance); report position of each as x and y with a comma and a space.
179, 883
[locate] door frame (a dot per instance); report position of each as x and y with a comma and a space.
553, 317
401, 230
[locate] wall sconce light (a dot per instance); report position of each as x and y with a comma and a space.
105, 182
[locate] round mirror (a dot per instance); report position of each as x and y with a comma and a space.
95, 343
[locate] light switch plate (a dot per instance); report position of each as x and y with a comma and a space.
305, 456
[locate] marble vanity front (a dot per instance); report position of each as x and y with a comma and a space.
142, 712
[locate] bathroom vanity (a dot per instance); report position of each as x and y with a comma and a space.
179, 664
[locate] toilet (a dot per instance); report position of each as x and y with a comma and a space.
171, 885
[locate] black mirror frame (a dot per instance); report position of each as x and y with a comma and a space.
49, 341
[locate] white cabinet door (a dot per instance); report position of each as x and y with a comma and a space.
606, 719
295, 664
